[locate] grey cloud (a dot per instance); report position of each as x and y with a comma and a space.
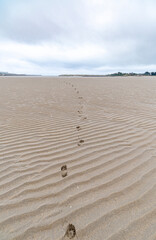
38, 21
128, 36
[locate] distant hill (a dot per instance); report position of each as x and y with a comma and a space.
14, 74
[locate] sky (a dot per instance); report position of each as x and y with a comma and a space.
52, 37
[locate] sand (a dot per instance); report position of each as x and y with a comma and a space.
78, 151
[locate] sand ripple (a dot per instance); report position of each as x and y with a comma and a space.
104, 131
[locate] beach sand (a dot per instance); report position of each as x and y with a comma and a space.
78, 151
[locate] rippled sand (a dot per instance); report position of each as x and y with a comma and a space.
104, 131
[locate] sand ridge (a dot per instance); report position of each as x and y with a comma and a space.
101, 134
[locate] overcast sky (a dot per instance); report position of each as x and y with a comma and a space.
77, 36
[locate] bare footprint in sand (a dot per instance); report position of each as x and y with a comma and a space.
70, 232
64, 171
79, 112
80, 142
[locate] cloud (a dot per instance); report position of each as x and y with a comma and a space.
51, 37
37, 20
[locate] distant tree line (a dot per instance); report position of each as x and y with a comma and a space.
112, 74
150, 73
133, 74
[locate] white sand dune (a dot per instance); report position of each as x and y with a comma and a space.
109, 192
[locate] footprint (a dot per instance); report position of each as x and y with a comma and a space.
80, 142
78, 128
70, 232
79, 112
64, 171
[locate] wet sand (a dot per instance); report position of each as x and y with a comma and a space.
77, 152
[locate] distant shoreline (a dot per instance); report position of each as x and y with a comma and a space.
119, 74
3, 74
